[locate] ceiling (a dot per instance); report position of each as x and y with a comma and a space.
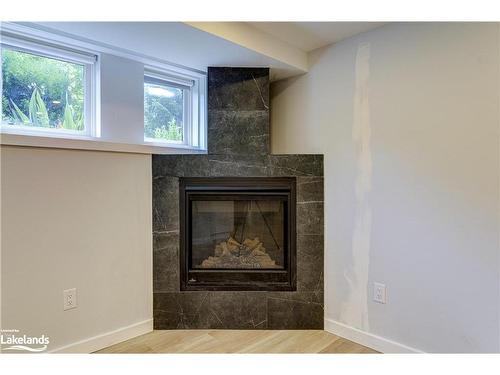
308, 36
172, 42
282, 46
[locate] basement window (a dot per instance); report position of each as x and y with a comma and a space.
172, 110
46, 89
61, 92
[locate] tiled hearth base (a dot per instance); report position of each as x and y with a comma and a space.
238, 310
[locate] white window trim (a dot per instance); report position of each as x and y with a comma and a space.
63, 141
67, 53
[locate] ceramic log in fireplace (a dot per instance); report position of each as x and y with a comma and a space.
237, 233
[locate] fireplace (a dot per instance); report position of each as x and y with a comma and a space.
237, 234
238, 231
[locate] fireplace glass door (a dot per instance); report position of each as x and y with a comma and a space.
243, 233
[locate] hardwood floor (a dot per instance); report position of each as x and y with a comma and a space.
237, 341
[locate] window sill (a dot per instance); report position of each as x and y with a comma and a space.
90, 145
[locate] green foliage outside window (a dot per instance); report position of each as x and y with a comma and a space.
163, 112
41, 92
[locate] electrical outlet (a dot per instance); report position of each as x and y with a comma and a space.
379, 293
69, 298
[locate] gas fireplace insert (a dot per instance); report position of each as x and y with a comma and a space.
238, 233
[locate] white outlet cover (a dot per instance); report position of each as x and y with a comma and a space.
379, 293
69, 299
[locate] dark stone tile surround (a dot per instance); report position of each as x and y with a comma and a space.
238, 143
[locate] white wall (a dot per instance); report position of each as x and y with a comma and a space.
75, 219
122, 99
407, 117
80, 219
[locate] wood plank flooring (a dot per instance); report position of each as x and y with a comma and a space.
237, 341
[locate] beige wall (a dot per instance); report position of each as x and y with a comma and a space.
75, 219
407, 117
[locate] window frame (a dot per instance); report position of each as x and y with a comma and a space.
194, 128
107, 136
62, 52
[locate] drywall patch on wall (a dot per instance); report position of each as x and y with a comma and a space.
355, 309
434, 195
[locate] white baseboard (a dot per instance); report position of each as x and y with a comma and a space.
370, 340
106, 339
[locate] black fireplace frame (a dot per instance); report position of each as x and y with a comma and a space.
197, 279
